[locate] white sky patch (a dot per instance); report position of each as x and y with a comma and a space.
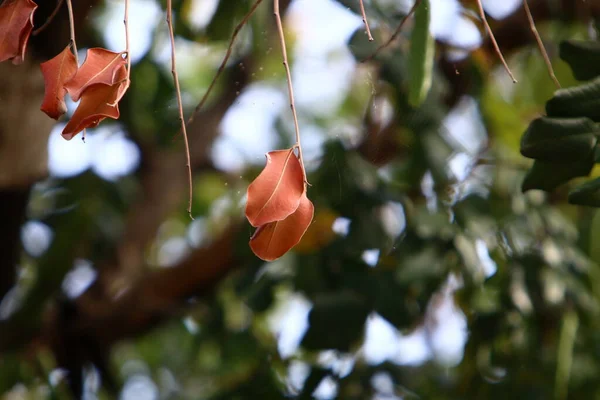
68, 158
500, 9
248, 128
114, 155
289, 323
327, 389
201, 13
464, 126
371, 257
393, 219
341, 226
384, 342
172, 251
139, 387
79, 278
36, 237
487, 264
446, 326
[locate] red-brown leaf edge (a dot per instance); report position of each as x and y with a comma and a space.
100, 66
276, 192
273, 240
97, 103
16, 24
56, 72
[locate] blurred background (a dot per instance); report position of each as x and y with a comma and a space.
426, 273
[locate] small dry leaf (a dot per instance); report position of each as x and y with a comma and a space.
98, 102
56, 72
273, 240
276, 192
100, 66
16, 24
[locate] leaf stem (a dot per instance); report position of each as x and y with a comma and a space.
72, 31
364, 18
289, 83
126, 23
50, 18
236, 31
396, 32
179, 104
493, 38
540, 44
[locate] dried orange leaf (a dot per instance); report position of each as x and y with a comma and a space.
56, 72
16, 24
276, 192
97, 103
100, 66
273, 240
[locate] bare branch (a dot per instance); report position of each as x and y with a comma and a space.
493, 39
289, 82
364, 18
50, 18
540, 44
179, 104
236, 31
396, 32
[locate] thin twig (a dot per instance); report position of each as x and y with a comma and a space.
179, 104
72, 30
540, 43
493, 38
396, 32
126, 23
236, 31
289, 82
364, 18
50, 18
74, 45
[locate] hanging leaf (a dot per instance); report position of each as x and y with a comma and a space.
276, 192
56, 72
587, 194
16, 24
422, 51
274, 239
578, 101
583, 56
97, 103
100, 66
559, 139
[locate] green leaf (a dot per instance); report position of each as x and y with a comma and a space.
559, 139
422, 51
578, 101
336, 321
583, 56
587, 194
548, 176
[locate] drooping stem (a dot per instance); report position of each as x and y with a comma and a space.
126, 23
236, 31
365, 21
396, 32
493, 39
72, 30
74, 46
289, 82
540, 44
50, 18
179, 104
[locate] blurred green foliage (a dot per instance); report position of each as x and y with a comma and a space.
520, 269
